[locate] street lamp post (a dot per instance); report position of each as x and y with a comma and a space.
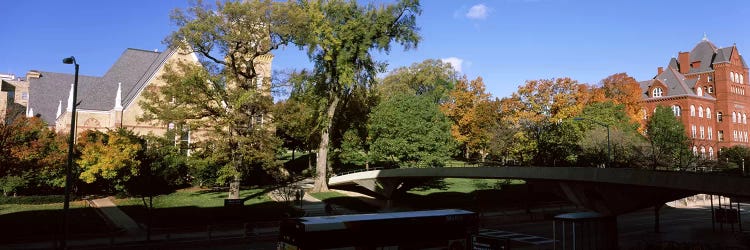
71, 140
609, 149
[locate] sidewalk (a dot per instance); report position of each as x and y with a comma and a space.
115, 217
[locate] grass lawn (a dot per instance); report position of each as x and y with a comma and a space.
39, 218
345, 201
195, 207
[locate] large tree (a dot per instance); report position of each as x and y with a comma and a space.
537, 107
623, 89
474, 115
228, 95
339, 38
669, 143
409, 130
429, 77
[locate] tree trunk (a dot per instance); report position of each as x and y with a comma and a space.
321, 164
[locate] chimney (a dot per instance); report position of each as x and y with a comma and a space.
659, 70
33, 74
684, 60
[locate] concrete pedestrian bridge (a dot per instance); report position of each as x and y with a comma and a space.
610, 191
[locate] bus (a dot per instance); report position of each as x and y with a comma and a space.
430, 229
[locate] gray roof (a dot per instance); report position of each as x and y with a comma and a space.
708, 54
133, 69
704, 52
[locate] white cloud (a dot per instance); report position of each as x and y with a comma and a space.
455, 62
479, 11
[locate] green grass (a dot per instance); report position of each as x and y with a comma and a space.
461, 185
39, 218
351, 203
200, 207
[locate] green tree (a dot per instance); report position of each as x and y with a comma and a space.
627, 145
227, 97
430, 77
410, 131
339, 38
111, 158
669, 143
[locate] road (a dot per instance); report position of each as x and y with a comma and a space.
685, 225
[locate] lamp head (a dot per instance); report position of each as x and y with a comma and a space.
69, 60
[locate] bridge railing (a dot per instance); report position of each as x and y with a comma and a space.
357, 171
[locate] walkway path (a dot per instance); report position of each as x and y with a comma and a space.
115, 217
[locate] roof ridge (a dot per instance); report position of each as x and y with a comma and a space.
144, 50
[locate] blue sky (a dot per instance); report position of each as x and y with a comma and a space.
506, 42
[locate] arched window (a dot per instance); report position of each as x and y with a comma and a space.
744, 118
700, 111
657, 92
692, 110
703, 134
734, 117
699, 91
703, 152
742, 79
708, 112
710, 153
695, 150
731, 76
710, 89
710, 133
676, 110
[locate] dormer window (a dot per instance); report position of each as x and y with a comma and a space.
710, 79
657, 92
710, 89
699, 91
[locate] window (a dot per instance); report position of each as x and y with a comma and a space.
731, 76
657, 92
742, 79
720, 135
710, 88
24, 95
745, 136
692, 110
710, 79
710, 153
744, 118
734, 117
703, 152
692, 130
676, 110
718, 116
702, 132
700, 111
699, 91
710, 133
708, 112
734, 135
695, 150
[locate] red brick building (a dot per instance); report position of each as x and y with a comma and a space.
708, 92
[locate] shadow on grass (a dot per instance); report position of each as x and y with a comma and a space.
46, 225
196, 217
517, 197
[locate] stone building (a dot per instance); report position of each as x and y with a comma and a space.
14, 97
707, 90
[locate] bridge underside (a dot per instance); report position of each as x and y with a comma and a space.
606, 199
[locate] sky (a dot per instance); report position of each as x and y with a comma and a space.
506, 42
